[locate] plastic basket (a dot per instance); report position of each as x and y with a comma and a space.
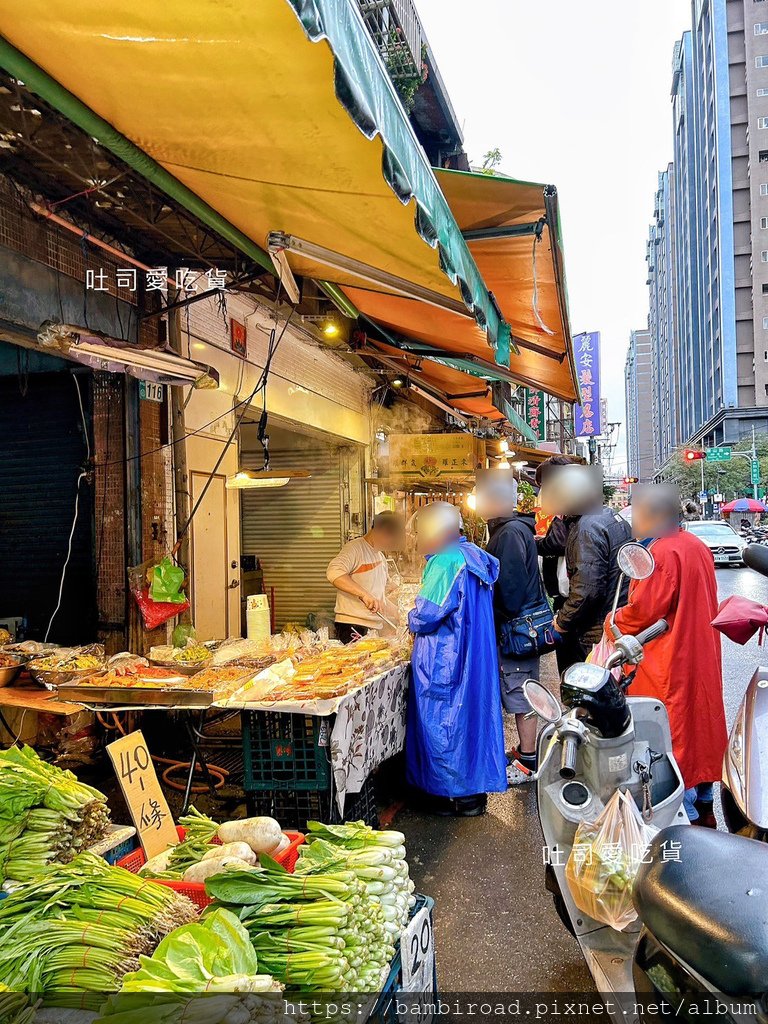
282, 751
295, 808
119, 841
136, 860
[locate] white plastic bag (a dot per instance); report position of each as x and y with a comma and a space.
605, 858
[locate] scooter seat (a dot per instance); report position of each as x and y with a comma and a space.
704, 895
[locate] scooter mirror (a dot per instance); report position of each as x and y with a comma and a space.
635, 561
545, 704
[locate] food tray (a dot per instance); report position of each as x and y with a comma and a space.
9, 672
182, 668
195, 891
58, 677
140, 696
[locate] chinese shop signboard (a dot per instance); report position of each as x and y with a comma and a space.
586, 349
423, 457
535, 413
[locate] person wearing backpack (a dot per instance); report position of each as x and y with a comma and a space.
521, 610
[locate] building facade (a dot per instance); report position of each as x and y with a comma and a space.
662, 322
708, 244
639, 397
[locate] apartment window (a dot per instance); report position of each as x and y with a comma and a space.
765, 289
765, 323
764, 223
762, 92
762, 156
761, 28
764, 256
762, 122
764, 190
761, 62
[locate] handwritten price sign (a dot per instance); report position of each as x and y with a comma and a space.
138, 780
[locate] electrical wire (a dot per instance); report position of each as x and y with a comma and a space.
80, 479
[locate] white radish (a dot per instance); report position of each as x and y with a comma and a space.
284, 843
206, 868
158, 864
261, 834
241, 850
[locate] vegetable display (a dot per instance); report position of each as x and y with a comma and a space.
46, 814
377, 858
319, 932
74, 932
209, 848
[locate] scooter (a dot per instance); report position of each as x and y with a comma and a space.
697, 926
744, 790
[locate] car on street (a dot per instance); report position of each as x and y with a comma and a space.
726, 545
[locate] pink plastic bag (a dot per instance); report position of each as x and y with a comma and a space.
600, 654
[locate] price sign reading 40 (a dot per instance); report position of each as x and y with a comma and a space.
138, 780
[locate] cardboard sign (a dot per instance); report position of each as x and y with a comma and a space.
417, 950
141, 789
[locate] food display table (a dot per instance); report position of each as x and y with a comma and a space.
368, 726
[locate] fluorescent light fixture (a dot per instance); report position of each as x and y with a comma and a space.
331, 329
247, 478
285, 274
159, 367
279, 241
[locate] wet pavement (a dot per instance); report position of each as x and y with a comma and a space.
495, 925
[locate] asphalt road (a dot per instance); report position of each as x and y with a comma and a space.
495, 926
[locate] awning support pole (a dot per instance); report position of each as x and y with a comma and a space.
512, 231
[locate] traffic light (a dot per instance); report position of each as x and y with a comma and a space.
694, 454
631, 479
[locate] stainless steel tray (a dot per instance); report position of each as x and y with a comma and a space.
144, 696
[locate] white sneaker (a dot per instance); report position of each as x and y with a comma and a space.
518, 774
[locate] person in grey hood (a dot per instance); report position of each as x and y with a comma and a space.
518, 588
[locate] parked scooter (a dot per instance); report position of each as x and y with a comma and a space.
701, 928
744, 791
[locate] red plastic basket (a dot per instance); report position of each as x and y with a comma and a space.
136, 860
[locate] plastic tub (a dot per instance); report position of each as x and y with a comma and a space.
136, 860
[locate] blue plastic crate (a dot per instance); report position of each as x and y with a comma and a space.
385, 1011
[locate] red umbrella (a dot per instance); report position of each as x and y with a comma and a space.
744, 505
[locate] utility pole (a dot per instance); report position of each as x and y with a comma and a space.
752, 464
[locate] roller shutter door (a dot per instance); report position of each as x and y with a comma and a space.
295, 531
43, 450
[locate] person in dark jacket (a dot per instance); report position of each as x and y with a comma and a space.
593, 575
551, 547
517, 589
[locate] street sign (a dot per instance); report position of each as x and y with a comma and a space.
718, 498
755, 471
718, 454
702, 495
150, 392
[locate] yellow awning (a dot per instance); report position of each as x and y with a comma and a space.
279, 115
500, 218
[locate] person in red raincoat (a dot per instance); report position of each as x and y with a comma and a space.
682, 668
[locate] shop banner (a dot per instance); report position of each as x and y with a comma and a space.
429, 457
586, 348
536, 412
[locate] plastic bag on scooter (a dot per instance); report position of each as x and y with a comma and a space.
601, 652
605, 858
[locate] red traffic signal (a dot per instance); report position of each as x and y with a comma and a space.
693, 454
631, 479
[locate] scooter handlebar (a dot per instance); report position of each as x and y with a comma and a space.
653, 632
568, 757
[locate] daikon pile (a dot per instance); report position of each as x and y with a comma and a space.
46, 815
316, 932
376, 857
208, 848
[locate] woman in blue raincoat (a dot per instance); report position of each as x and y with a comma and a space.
455, 737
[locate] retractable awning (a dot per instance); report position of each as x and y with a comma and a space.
278, 115
468, 395
513, 232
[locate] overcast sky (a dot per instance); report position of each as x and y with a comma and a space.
576, 94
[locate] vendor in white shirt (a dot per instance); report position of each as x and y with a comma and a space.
359, 573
